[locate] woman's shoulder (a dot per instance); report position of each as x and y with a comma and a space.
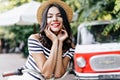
34, 36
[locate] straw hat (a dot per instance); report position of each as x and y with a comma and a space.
43, 6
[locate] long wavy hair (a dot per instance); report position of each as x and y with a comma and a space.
45, 40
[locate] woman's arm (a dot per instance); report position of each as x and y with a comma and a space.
62, 63
47, 66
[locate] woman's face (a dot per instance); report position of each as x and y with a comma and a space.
54, 19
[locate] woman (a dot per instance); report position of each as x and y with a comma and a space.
51, 50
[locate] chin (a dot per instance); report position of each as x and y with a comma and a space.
55, 30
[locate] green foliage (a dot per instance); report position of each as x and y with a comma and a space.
90, 10
21, 34
9, 4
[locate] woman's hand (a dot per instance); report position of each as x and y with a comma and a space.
50, 34
62, 35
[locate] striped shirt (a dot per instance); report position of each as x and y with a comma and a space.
36, 47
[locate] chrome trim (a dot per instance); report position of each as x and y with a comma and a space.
105, 62
96, 76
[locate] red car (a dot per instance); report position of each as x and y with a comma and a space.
97, 53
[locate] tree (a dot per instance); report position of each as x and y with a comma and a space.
9, 4
90, 10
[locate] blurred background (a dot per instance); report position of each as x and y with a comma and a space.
18, 22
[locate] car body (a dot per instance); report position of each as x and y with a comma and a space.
97, 57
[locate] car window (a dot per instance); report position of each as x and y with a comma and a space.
99, 34
102, 35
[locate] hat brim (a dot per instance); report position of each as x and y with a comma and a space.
43, 6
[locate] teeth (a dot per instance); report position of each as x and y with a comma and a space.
55, 24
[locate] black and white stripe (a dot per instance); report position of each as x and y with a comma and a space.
35, 47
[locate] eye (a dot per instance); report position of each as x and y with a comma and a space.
59, 15
49, 16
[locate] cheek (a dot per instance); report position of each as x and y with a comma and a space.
61, 20
48, 21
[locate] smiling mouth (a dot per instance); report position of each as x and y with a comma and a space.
56, 25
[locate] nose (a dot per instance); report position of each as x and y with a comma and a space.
54, 18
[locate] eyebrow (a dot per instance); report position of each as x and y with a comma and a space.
52, 14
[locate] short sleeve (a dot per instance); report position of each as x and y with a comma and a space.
70, 53
34, 46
